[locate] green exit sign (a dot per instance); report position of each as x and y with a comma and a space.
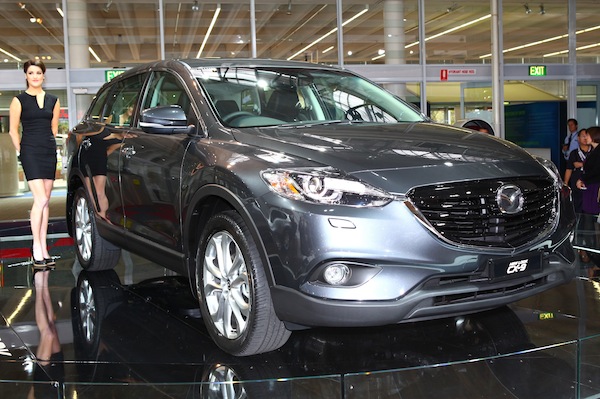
537, 70
112, 73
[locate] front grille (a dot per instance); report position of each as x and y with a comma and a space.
467, 213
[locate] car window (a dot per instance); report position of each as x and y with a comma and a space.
122, 100
96, 112
166, 89
270, 96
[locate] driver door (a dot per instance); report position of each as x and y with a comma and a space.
151, 166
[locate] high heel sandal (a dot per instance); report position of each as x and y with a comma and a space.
50, 263
38, 265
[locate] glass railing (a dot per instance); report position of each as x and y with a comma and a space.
136, 332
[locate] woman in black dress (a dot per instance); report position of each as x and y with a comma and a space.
38, 112
590, 182
591, 167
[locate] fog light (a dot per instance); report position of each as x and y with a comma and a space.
336, 274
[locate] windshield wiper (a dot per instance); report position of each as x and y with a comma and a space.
331, 122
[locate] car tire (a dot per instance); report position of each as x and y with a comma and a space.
234, 295
95, 295
93, 251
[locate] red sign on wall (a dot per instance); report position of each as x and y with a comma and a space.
445, 73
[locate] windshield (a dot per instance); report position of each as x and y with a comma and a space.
247, 96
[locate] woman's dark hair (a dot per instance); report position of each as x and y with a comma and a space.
36, 63
594, 133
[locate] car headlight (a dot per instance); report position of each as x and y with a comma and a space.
324, 186
552, 171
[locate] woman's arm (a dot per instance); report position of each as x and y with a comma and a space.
567, 177
55, 116
15, 120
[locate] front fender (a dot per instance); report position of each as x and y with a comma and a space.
211, 199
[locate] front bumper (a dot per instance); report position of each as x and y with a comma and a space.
435, 297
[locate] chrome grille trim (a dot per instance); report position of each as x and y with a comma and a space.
467, 214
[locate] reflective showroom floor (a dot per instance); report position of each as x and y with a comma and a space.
141, 337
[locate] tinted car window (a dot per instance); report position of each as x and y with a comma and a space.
166, 89
96, 112
122, 100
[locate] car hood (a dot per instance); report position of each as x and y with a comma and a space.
396, 157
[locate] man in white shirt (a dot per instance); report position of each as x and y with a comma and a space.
571, 143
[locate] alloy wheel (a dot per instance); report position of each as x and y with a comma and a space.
83, 229
87, 310
224, 383
226, 291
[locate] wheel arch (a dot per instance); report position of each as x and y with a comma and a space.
210, 200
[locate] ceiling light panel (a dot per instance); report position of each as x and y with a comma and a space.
127, 34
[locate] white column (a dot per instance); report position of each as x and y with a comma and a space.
77, 55
572, 82
394, 40
78, 34
497, 68
393, 31
340, 33
393, 36
253, 28
423, 57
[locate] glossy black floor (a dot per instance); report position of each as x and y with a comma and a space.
147, 341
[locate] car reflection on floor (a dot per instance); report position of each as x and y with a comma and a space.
136, 332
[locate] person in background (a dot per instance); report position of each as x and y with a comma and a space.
575, 167
125, 117
570, 142
591, 167
589, 181
38, 112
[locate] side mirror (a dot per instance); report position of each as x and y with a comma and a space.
165, 119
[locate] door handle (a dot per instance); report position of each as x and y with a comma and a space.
128, 152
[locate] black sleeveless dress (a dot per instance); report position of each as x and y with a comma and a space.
38, 145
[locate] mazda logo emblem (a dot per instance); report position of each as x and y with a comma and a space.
510, 199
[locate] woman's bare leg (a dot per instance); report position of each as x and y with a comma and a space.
39, 214
48, 184
45, 318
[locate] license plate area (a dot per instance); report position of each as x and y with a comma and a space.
515, 266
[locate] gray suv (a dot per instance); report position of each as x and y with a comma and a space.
297, 195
